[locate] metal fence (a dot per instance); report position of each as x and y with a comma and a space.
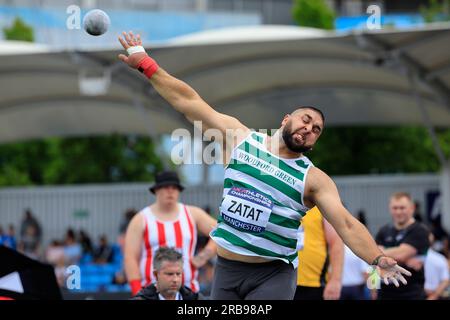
99, 209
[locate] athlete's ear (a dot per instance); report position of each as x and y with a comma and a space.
155, 274
285, 119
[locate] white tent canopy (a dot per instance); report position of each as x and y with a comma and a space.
355, 78
256, 74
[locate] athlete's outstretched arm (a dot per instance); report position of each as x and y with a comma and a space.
323, 192
177, 93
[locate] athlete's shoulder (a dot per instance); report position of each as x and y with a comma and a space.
137, 223
318, 185
237, 136
317, 172
317, 178
252, 136
144, 213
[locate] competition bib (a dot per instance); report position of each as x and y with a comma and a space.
246, 209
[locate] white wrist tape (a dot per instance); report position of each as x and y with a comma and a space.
135, 49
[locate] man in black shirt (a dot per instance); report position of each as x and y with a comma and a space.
403, 240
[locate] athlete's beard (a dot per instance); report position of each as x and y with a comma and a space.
290, 141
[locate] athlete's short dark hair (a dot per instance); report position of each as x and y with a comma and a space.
315, 109
166, 254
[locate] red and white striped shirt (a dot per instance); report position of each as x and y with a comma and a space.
180, 234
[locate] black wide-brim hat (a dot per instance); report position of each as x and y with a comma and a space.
166, 178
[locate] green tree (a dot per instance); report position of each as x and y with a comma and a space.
313, 13
366, 150
19, 31
114, 158
436, 11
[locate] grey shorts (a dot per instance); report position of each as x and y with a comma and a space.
234, 280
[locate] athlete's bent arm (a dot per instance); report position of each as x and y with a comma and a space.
133, 251
323, 192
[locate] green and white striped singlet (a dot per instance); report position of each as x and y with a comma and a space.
262, 203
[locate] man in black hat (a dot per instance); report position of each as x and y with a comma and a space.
166, 223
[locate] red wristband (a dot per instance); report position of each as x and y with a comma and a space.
135, 286
147, 66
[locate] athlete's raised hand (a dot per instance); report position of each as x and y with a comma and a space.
133, 45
